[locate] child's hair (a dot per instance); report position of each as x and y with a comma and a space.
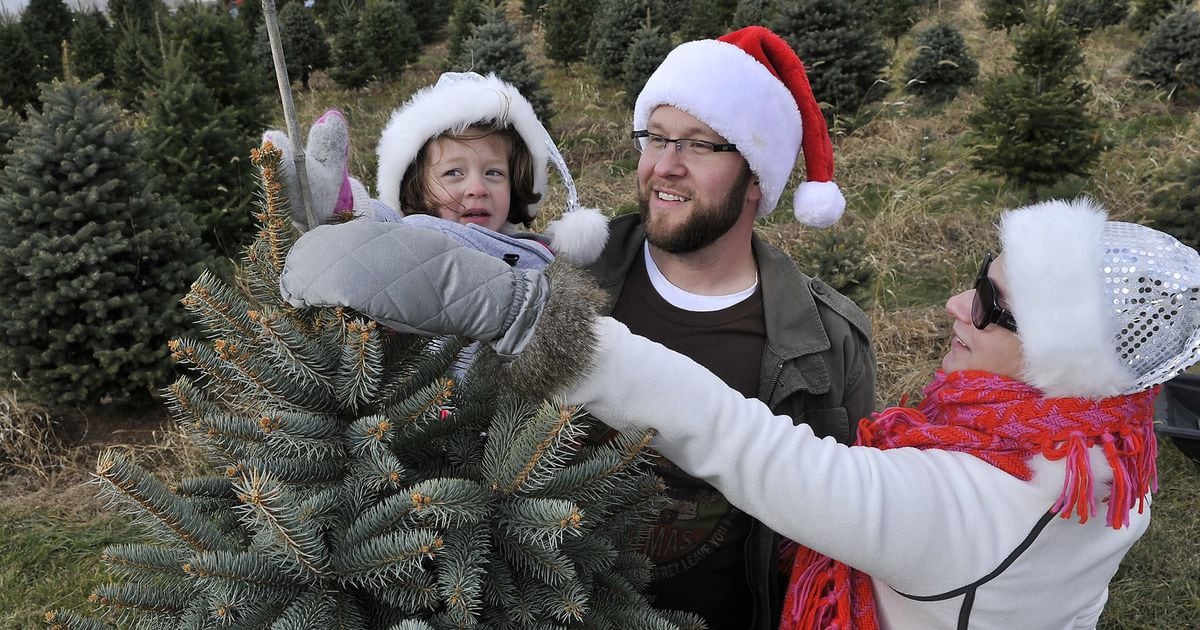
415, 192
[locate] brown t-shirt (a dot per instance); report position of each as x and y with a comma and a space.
698, 543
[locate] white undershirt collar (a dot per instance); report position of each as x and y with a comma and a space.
686, 300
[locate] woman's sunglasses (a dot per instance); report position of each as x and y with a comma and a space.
986, 308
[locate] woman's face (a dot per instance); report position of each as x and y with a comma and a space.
994, 349
469, 180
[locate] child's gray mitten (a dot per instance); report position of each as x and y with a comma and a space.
419, 280
333, 190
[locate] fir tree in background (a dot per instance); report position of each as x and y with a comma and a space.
896, 18
137, 52
702, 20
250, 16
390, 36
648, 49
942, 65
10, 124
354, 64
1179, 209
1003, 14
841, 50
192, 141
18, 67
566, 23
47, 24
430, 17
753, 13
92, 46
1086, 16
304, 47
1149, 12
1170, 55
466, 16
359, 483
141, 12
533, 8
611, 35
218, 50
1033, 127
92, 260
495, 46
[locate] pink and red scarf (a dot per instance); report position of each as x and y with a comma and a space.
1004, 422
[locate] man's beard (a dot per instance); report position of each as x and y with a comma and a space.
703, 227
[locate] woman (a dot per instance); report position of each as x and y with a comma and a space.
1007, 499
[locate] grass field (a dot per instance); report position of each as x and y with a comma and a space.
925, 218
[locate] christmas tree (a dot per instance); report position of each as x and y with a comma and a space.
466, 16
564, 22
942, 64
611, 35
18, 67
495, 46
359, 482
47, 24
303, 40
92, 259
92, 45
648, 49
390, 36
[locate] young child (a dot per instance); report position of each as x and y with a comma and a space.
469, 150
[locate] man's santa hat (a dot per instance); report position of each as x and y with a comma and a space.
750, 87
461, 99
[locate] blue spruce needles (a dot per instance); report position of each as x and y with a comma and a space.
358, 481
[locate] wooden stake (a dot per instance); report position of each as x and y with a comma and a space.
289, 111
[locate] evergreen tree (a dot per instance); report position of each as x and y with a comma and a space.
92, 45
1149, 12
1170, 55
216, 47
1086, 16
495, 46
92, 260
354, 64
533, 8
840, 49
648, 49
140, 12
357, 482
303, 40
467, 15
1180, 216
701, 21
137, 52
192, 141
250, 16
611, 35
1033, 127
942, 65
566, 23
429, 17
18, 67
1003, 14
896, 18
47, 25
753, 13
10, 124
390, 37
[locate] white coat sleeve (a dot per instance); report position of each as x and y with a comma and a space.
916, 520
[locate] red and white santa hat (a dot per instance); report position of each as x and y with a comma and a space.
750, 87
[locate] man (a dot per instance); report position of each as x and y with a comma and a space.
719, 125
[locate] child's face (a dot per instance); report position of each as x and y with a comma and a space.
469, 180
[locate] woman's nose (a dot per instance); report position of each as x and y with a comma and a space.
959, 306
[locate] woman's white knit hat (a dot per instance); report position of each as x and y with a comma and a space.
1102, 307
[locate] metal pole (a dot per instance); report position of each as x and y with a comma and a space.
289, 111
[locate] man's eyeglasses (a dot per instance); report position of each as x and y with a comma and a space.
654, 145
986, 308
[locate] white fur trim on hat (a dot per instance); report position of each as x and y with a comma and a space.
456, 101
727, 89
579, 236
1053, 261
